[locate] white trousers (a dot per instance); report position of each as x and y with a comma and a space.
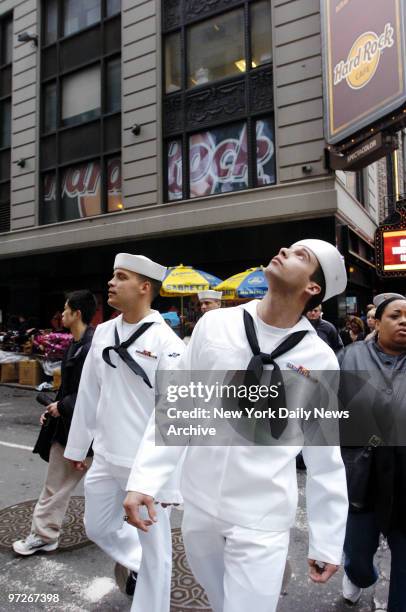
240, 569
104, 496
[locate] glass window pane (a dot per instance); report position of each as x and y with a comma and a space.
79, 14
218, 160
51, 22
49, 209
216, 48
5, 123
81, 96
80, 191
265, 150
261, 33
173, 79
175, 170
113, 7
49, 108
114, 195
113, 90
7, 41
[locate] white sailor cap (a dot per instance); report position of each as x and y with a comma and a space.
331, 262
140, 264
210, 294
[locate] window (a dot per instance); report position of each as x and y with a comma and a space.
113, 88
113, 7
51, 21
80, 145
265, 151
49, 210
80, 191
6, 56
5, 123
261, 33
173, 76
7, 41
218, 160
216, 48
79, 14
114, 195
355, 183
81, 96
49, 122
218, 104
174, 178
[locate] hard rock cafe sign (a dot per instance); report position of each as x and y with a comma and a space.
363, 63
363, 58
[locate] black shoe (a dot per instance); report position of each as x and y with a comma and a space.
131, 582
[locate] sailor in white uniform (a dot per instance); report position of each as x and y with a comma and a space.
115, 401
240, 501
209, 300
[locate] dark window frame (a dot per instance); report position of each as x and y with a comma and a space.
177, 105
100, 124
5, 151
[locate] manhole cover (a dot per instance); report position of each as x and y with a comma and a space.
15, 524
187, 594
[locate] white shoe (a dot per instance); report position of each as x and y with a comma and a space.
33, 544
351, 592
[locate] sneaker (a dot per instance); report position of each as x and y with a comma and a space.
351, 592
33, 544
125, 579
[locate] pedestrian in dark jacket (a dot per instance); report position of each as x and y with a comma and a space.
325, 330
62, 478
377, 475
355, 333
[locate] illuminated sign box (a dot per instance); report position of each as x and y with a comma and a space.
394, 250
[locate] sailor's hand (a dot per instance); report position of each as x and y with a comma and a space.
80, 466
319, 571
43, 418
132, 504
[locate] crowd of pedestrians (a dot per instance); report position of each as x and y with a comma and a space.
239, 501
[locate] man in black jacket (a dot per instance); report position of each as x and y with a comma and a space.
325, 330
61, 478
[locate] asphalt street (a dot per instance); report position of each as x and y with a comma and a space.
83, 579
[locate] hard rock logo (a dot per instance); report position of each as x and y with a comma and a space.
363, 59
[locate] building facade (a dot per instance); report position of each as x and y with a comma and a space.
189, 131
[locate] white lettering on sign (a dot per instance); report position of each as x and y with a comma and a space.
363, 58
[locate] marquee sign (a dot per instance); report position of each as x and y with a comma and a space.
394, 250
390, 248
363, 63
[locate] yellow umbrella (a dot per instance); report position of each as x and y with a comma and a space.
184, 280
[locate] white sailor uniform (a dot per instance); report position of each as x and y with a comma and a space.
113, 407
240, 501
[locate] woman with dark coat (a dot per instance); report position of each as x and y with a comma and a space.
355, 332
376, 474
